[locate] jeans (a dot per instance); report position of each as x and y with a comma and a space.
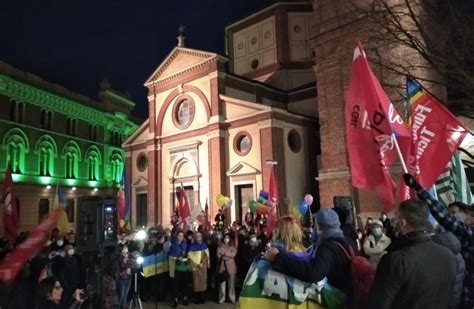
123, 286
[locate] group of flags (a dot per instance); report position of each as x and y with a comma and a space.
377, 136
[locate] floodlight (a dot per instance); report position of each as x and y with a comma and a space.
140, 235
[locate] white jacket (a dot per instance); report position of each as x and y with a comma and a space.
374, 249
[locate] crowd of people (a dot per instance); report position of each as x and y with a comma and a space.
417, 263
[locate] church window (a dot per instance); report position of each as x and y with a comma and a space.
294, 141
183, 112
242, 143
142, 162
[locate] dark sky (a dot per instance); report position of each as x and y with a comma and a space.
78, 43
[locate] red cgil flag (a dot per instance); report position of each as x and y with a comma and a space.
10, 212
184, 210
372, 124
272, 203
436, 135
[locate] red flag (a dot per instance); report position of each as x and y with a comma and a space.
13, 263
121, 207
184, 210
436, 135
272, 203
207, 225
372, 123
10, 212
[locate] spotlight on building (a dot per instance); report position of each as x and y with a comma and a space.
48, 187
74, 188
140, 235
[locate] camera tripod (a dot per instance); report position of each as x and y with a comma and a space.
135, 303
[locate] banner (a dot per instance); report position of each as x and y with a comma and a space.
155, 264
60, 205
13, 263
184, 210
272, 203
264, 287
452, 185
10, 212
436, 135
372, 123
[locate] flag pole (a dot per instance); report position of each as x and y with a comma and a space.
402, 161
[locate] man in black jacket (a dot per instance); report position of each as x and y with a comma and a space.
418, 273
329, 261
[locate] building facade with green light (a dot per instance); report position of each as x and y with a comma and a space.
54, 137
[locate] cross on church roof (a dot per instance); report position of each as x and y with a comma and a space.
181, 36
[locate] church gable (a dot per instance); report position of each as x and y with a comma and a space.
235, 108
242, 168
180, 60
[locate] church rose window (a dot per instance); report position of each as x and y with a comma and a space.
294, 141
183, 112
142, 162
242, 143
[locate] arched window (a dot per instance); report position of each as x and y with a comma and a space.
72, 156
93, 160
47, 151
116, 163
17, 145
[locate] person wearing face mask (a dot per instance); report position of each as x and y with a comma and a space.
376, 243
70, 275
226, 255
179, 269
251, 248
463, 231
124, 280
419, 273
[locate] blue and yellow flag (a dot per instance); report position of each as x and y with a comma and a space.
155, 264
60, 202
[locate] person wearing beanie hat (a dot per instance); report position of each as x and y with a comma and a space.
330, 261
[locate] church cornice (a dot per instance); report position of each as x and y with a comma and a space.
26, 93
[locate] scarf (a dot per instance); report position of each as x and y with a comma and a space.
330, 233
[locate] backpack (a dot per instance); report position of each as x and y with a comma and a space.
362, 276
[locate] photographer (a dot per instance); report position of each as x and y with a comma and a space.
50, 293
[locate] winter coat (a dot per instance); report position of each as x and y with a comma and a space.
228, 252
419, 274
329, 261
375, 249
450, 241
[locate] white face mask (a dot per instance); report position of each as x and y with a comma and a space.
60, 243
377, 231
125, 250
253, 241
226, 240
70, 252
384, 217
359, 235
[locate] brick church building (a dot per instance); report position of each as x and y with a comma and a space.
279, 95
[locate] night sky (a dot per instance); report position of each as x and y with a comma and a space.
78, 43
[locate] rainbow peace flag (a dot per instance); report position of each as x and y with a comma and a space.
155, 264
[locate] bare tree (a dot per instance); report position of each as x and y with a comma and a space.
434, 40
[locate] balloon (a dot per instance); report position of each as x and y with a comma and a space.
220, 200
308, 199
303, 207
227, 203
262, 209
253, 206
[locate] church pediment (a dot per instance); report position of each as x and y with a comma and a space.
141, 182
242, 168
179, 61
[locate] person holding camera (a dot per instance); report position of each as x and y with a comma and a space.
124, 277
226, 269
50, 294
179, 255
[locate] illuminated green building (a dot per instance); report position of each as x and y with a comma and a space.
51, 136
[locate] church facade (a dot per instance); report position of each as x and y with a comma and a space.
217, 125
51, 136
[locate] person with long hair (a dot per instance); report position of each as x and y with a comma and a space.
50, 293
288, 235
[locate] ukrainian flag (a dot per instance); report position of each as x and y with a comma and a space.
155, 264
